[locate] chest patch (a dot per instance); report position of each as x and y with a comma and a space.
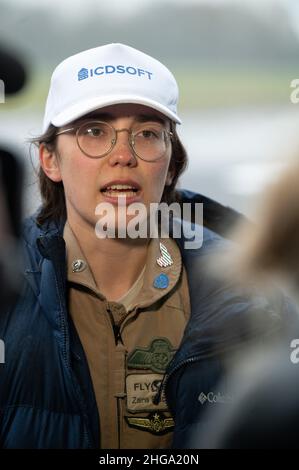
155, 423
155, 358
141, 390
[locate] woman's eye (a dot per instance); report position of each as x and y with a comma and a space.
94, 132
148, 134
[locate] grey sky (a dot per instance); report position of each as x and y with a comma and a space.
121, 6
77, 9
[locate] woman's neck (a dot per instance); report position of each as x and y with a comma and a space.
115, 263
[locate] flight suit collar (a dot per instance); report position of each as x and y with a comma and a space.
162, 270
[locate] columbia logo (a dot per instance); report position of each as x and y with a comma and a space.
202, 398
212, 397
82, 74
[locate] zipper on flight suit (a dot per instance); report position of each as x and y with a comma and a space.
119, 395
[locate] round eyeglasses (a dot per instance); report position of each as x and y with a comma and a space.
96, 139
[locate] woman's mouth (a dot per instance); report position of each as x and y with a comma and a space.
118, 190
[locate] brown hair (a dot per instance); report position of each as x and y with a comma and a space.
52, 194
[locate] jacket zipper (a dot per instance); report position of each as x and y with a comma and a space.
87, 436
86, 432
162, 388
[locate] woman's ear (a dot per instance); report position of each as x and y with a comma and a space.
49, 163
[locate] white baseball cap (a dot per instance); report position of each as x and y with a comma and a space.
107, 75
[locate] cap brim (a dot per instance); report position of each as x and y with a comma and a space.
80, 109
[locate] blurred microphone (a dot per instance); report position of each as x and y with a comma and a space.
11, 177
13, 75
12, 72
11, 187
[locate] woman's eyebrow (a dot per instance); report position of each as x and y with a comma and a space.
100, 117
149, 117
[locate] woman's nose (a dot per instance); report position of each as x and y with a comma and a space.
122, 152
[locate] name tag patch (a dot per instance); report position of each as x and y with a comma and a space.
141, 390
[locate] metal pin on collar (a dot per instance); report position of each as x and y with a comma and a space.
78, 265
161, 281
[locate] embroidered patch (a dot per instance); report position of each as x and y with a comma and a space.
156, 357
155, 423
141, 390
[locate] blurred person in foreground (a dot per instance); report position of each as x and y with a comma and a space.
116, 340
13, 77
264, 406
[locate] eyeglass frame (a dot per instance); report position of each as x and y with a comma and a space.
114, 140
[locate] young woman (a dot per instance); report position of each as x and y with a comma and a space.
115, 340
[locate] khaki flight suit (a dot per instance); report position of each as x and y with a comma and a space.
129, 343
